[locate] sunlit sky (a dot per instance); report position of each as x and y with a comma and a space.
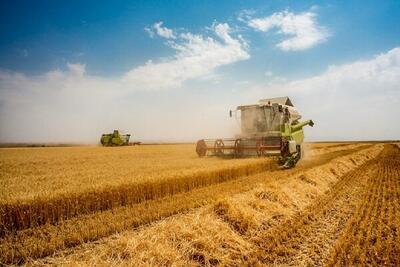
172, 70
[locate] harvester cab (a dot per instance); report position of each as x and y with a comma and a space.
115, 139
272, 127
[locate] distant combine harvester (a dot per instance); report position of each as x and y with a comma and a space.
116, 139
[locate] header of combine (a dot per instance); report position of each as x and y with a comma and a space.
272, 127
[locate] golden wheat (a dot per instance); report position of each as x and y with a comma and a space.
47, 185
44, 240
221, 233
62, 184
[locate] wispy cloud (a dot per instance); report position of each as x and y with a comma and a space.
196, 56
72, 105
302, 29
161, 31
358, 100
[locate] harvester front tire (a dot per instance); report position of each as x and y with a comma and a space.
201, 148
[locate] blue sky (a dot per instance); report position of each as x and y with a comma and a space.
83, 67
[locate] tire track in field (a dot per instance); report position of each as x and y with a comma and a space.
307, 238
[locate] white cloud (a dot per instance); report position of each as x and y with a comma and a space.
302, 29
196, 56
354, 101
149, 31
364, 78
358, 100
58, 105
245, 15
71, 105
163, 31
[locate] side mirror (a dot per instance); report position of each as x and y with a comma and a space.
311, 123
230, 113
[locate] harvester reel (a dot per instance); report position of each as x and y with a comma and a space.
201, 148
219, 147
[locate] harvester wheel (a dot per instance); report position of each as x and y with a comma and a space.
219, 147
300, 151
238, 147
290, 163
201, 148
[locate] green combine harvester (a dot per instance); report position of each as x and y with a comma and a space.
115, 139
272, 127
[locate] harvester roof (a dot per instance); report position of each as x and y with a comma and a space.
275, 101
284, 101
279, 100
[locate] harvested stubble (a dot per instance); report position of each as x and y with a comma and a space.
45, 240
166, 177
372, 237
306, 238
220, 234
354, 224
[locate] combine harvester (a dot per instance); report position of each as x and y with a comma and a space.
269, 128
115, 139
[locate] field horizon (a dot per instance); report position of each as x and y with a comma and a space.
75, 144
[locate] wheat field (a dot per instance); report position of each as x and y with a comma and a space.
161, 205
42, 186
